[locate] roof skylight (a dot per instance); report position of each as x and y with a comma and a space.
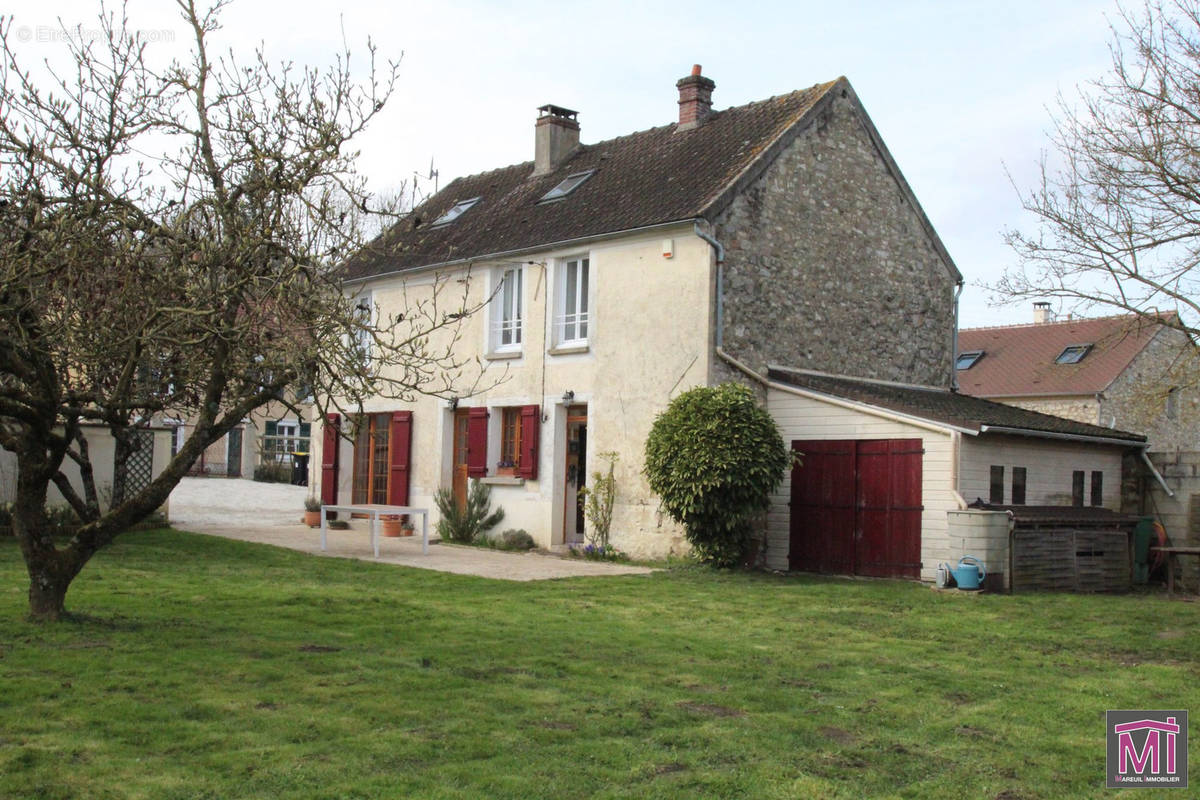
967, 359
459, 208
1073, 354
568, 185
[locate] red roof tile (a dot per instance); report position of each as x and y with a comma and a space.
1019, 360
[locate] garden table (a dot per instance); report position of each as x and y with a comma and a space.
375, 512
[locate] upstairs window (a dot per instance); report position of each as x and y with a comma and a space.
572, 323
568, 185
967, 359
506, 311
364, 322
456, 211
1073, 354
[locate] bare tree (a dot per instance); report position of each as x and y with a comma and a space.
168, 244
1118, 204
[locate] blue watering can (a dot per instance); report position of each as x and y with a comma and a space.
970, 573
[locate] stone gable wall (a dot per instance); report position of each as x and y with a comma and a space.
1137, 399
1079, 408
828, 265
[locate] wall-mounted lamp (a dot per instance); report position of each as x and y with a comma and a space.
453, 403
568, 395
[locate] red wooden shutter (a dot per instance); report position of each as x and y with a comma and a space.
401, 454
477, 419
329, 459
531, 419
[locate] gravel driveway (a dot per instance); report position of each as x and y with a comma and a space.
270, 513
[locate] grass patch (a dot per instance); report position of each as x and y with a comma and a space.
207, 668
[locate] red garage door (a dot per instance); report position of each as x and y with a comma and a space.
856, 508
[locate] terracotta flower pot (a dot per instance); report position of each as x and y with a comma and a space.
407, 530
312, 519
390, 526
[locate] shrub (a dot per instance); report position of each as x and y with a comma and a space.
466, 524
515, 539
713, 458
273, 473
598, 499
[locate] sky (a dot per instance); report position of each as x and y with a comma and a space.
961, 92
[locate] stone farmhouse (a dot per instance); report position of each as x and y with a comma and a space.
1123, 372
775, 243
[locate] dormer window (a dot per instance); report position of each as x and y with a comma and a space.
967, 359
1073, 354
456, 211
568, 185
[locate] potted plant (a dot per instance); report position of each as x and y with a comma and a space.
391, 525
312, 512
406, 526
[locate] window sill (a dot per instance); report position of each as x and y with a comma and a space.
502, 480
565, 349
503, 355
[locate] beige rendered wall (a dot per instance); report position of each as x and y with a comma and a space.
650, 341
101, 449
801, 417
1048, 464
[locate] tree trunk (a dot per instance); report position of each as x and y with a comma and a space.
48, 584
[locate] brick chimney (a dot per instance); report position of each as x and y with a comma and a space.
1042, 313
556, 135
695, 99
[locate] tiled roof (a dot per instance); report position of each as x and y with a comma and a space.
655, 176
944, 406
1019, 360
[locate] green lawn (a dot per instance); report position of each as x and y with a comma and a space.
204, 668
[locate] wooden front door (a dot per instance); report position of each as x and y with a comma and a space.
460, 455
576, 474
856, 507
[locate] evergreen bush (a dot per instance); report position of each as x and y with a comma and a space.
713, 457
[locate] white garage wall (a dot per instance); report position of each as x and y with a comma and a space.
1048, 464
800, 417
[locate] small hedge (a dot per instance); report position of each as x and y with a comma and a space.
273, 473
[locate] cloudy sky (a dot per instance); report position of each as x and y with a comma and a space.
960, 91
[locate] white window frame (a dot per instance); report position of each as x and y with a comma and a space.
506, 311
361, 339
574, 322
289, 428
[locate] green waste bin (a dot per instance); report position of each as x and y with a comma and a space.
1143, 534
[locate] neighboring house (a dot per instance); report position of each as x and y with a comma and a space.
624, 272
269, 435
885, 467
1125, 372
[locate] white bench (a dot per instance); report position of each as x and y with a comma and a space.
375, 512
